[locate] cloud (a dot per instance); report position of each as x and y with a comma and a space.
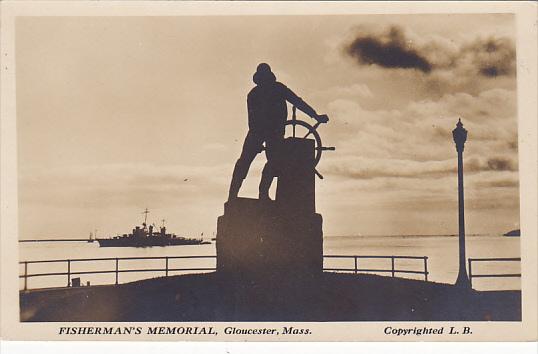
388, 50
501, 164
422, 130
492, 56
498, 183
370, 168
393, 48
498, 164
409, 151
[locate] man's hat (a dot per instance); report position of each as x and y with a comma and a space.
263, 74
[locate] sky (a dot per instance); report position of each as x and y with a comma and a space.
116, 114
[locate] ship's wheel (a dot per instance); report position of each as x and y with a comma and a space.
308, 130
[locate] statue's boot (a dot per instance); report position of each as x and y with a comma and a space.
235, 185
237, 180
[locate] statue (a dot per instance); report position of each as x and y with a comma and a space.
267, 114
261, 239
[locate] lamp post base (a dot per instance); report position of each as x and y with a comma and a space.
463, 281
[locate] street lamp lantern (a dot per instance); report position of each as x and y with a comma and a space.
460, 136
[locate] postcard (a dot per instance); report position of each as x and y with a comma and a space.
269, 171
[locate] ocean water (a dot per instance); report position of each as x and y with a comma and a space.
442, 253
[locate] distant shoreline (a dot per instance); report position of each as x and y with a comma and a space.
58, 240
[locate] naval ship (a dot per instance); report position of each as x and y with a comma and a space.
145, 236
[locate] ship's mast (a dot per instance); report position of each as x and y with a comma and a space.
146, 212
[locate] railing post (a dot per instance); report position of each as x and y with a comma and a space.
356, 265
470, 272
25, 275
68, 273
294, 118
425, 268
117, 261
166, 267
392, 265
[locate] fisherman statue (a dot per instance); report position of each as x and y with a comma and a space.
267, 114
254, 235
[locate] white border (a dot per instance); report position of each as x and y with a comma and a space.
527, 73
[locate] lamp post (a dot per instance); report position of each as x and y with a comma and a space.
460, 136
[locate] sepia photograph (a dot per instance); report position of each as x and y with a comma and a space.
269, 175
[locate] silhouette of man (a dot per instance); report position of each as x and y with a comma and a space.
267, 113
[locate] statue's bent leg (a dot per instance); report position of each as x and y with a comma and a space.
251, 147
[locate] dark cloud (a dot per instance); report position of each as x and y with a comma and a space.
389, 51
491, 164
490, 57
489, 71
500, 164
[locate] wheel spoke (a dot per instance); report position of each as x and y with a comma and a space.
311, 131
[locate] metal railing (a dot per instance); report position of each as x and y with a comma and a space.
69, 273
393, 270
506, 275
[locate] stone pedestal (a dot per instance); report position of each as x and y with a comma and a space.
274, 239
296, 188
255, 238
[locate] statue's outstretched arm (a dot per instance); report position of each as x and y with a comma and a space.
298, 102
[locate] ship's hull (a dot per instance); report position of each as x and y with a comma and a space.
147, 242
